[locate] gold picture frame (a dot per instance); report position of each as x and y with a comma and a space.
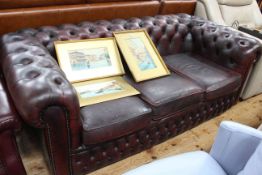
96, 91
94, 68
142, 57
89, 59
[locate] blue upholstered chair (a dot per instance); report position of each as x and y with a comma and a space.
237, 151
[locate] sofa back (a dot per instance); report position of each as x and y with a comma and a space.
167, 33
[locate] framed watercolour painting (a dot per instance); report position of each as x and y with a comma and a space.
89, 59
141, 55
96, 91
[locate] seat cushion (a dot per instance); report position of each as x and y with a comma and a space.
216, 80
168, 94
193, 163
112, 119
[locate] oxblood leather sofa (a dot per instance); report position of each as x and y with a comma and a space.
209, 65
10, 161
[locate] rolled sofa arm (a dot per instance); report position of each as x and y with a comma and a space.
224, 46
234, 145
35, 81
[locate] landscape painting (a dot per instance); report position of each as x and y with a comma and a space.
140, 52
99, 89
85, 59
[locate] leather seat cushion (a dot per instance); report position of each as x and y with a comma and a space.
216, 80
112, 119
168, 94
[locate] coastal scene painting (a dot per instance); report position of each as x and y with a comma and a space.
85, 59
140, 52
99, 89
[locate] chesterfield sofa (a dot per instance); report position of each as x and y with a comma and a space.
209, 65
10, 161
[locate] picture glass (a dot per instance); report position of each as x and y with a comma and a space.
141, 55
96, 91
89, 59
140, 52
85, 59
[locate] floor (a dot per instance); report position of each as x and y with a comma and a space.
248, 112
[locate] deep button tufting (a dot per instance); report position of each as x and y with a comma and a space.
41, 54
154, 23
227, 35
16, 38
125, 26
92, 30
33, 74
213, 30
51, 35
201, 24
72, 33
20, 50
46, 64
242, 43
229, 45
169, 22
26, 61
109, 28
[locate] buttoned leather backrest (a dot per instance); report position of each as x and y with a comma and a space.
166, 31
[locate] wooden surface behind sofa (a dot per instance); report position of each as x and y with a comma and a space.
19, 14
